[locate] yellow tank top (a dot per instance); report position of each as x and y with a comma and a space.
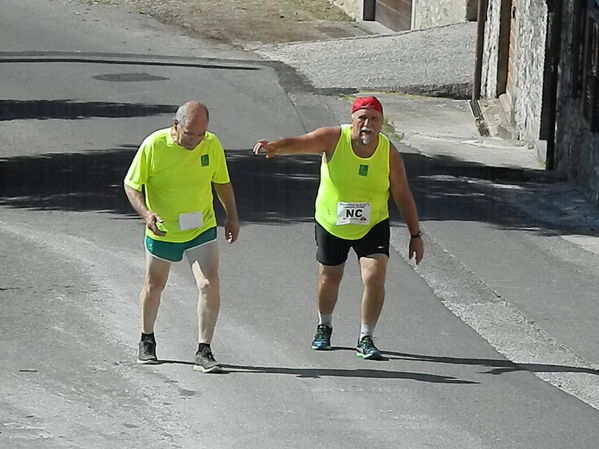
354, 191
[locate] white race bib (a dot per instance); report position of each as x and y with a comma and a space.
353, 213
191, 220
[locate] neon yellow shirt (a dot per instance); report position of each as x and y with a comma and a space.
354, 191
178, 182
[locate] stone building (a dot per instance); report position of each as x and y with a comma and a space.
402, 15
513, 61
540, 58
577, 109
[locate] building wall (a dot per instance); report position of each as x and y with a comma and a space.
531, 20
577, 148
431, 13
353, 8
491, 50
532, 35
427, 13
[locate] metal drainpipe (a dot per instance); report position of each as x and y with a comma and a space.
480, 41
556, 35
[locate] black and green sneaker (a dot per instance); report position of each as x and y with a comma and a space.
322, 338
367, 350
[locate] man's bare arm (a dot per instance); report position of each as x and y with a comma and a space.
321, 140
138, 202
226, 196
402, 196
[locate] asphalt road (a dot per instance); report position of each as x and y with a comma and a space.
73, 266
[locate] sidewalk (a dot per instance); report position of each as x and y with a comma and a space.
529, 290
535, 302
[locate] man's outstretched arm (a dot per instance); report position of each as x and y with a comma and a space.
321, 140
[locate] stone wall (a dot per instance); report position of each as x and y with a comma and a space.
353, 8
491, 50
531, 19
532, 35
577, 148
427, 13
431, 13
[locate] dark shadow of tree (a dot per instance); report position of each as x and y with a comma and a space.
72, 110
279, 190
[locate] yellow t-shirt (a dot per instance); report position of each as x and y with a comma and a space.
353, 194
178, 183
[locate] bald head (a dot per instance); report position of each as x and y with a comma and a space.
190, 111
190, 124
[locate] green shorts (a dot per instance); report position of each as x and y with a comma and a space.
173, 252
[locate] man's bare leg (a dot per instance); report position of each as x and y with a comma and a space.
157, 271
373, 269
327, 292
204, 265
327, 289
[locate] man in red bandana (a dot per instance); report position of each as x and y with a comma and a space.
360, 168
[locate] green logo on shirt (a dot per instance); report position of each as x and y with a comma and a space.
363, 171
204, 160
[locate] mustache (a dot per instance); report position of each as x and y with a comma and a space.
366, 129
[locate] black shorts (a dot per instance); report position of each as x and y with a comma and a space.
333, 250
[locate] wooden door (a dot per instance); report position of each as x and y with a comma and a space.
394, 14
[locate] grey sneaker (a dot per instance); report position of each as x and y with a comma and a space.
367, 350
147, 351
205, 361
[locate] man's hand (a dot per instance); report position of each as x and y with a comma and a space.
416, 249
265, 146
152, 219
231, 229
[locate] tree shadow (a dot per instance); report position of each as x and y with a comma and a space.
88, 181
280, 190
73, 110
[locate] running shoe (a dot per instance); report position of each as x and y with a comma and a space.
367, 350
147, 351
205, 361
322, 338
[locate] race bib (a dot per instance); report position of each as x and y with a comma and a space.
191, 220
353, 213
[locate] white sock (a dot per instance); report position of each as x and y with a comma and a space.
325, 318
366, 329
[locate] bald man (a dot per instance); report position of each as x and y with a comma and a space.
170, 184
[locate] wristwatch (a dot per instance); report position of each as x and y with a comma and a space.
417, 235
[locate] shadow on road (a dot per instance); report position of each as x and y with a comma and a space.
72, 110
317, 373
275, 191
497, 366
